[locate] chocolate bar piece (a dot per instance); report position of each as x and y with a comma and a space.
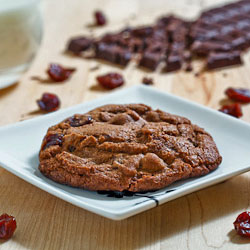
113, 53
78, 44
173, 62
142, 31
203, 48
153, 55
217, 60
151, 60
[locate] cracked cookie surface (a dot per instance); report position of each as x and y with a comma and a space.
126, 147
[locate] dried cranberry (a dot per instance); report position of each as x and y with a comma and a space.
100, 18
49, 102
239, 95
51, 140
147, 81
232, 109
75, 121
242, 224
7, 226
111, 80
58, 73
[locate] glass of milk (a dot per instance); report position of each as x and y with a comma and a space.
20, 36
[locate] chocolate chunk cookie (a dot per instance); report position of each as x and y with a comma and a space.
126, 147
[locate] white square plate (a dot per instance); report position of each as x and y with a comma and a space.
20, 144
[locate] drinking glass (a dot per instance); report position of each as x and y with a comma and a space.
20, 36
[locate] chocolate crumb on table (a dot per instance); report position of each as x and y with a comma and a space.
219, 35
147, 81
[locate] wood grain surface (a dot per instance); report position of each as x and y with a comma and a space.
201, 220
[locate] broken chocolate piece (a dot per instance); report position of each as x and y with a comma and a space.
173, 62
150, 60
142, 31
153, 55
222, 29
113, 53
220, 60
79, 44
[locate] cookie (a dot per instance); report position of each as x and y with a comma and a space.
126, 147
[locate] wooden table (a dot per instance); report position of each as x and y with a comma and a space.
201, 220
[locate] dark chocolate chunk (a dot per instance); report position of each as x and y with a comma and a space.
203, 48
173, 62
113, 53
79, 44
151, 59
153, 55
219, 60
142, 31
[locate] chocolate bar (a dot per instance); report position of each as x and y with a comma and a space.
219, 34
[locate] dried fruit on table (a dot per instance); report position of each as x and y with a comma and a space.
100, 18
7, 226
233, 109
242, 224
58, 73
238, 94
110, 80
49, 102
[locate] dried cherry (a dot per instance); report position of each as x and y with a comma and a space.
233, 109
100, 18
242, 224
7, 226
49, 102
111, 80
59, 73
51, 140
238, 94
